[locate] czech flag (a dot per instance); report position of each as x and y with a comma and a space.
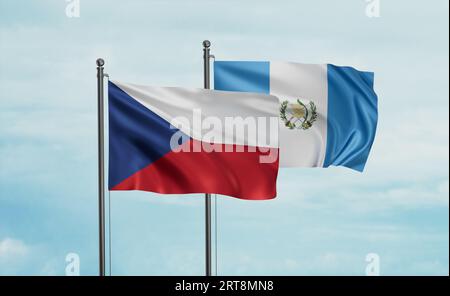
175, 140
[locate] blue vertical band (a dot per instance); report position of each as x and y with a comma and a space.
242, 76
352, 117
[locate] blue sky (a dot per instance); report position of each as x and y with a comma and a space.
324, 221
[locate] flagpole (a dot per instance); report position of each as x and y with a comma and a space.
101, 167
206, 82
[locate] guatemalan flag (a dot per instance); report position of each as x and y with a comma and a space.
328, 114
178, 140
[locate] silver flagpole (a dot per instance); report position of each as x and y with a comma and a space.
206, 58
101, 168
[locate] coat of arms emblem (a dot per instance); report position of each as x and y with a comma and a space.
297, 115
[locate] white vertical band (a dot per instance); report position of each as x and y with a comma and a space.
307, 82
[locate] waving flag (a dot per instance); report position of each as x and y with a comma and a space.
328, 114
177, 140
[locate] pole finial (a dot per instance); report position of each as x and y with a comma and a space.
100, 62
206, 44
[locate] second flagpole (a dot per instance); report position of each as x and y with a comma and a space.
101, 167
206, 85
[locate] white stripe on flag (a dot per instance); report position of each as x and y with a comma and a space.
307, 82
176, 102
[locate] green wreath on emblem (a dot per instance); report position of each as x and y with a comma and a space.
298, 115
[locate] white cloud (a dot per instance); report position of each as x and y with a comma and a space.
11, 249
20, 258
443, 188
14, 255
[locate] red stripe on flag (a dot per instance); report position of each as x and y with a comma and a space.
237, 174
